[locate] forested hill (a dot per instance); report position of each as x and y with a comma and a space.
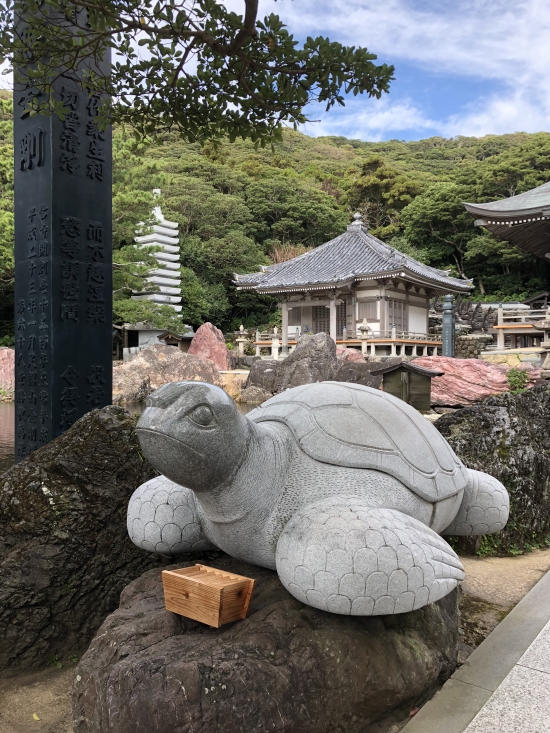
239, 207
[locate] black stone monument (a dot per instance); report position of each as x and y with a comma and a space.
63, 265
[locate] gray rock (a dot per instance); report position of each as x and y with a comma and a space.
313, 360
64, 552
286, 667
341, 488
263, 374
507, 436
254, 396
357, 373
245, 361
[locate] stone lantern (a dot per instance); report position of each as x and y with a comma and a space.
363, 334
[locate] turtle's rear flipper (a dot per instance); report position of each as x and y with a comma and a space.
484, 509
342, 556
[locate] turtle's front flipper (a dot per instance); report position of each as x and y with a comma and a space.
342, 556
484, 509
162, 517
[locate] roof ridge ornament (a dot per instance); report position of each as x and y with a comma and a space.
358, 222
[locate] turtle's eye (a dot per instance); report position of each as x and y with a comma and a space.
202, 415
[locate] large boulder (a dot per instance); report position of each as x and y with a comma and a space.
209, 343
468, 381
64, 550
357, 373
343, 354
7, 373
313, 360
286, 667
263, 375
133, 381
508, 437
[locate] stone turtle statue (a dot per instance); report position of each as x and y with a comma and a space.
339, 487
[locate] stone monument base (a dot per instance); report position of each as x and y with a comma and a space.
286, 667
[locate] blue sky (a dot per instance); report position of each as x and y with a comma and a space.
463, 67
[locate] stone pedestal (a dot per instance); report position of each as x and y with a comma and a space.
286, 667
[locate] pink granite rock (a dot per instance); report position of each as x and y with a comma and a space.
7, 371
209, 343
468, 381
344, 354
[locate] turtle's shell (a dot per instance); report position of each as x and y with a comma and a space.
360, 427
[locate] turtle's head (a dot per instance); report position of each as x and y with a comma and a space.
193, 433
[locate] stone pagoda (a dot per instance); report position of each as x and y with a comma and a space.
166, 277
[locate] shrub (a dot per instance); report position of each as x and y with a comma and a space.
517, 380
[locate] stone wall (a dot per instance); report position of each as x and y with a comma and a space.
470, 346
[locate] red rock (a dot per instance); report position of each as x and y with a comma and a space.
468, 381
7, 371
345, 354
134, 380
209, 343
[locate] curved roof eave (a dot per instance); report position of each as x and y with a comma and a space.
535, 201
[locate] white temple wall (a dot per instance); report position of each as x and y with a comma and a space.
418, 319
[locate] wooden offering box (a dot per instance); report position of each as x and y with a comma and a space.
205, 594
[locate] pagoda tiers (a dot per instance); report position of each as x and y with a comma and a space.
523, 220
355, 278
166, 277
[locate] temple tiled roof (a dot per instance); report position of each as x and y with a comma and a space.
530, 202
523, 220
354, 255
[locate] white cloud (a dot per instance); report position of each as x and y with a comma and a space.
371, 120
6, 80
505, 42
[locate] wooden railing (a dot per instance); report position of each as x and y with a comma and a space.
371, 343
522, 316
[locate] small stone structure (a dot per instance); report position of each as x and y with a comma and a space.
341, 488
166, 277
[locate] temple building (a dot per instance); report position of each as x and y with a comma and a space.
166, 277
356, 282
523, 220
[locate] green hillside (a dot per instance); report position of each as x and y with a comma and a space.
239, 207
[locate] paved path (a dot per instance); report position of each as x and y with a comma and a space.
504, 686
